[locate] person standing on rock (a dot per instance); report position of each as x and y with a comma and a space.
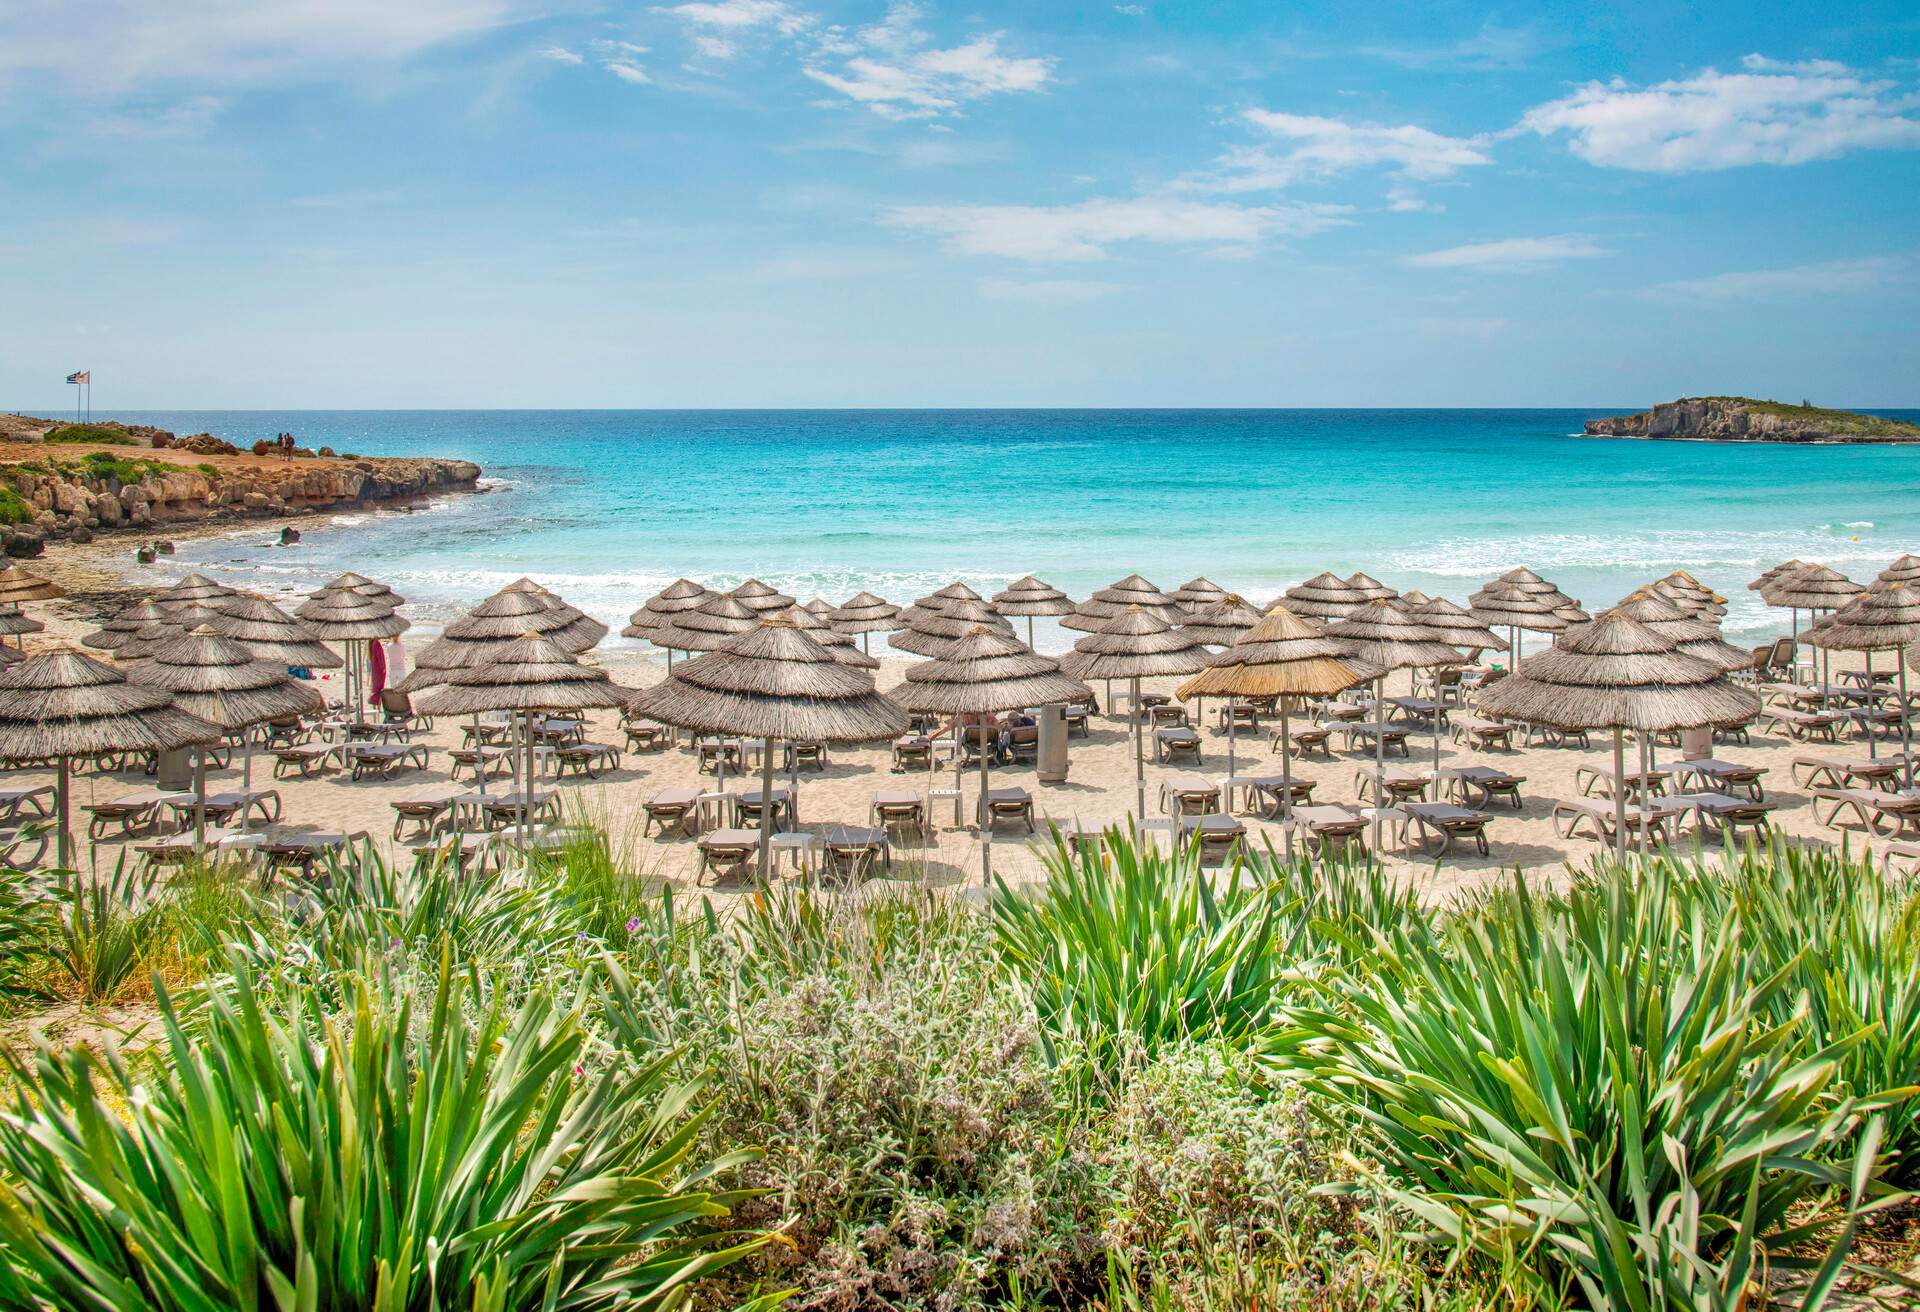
286, 446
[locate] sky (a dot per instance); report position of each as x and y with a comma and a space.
539, 203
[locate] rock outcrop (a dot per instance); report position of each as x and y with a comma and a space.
1743, 419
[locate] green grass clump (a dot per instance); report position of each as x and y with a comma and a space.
14, 509
104, 464
89, 433
210, 470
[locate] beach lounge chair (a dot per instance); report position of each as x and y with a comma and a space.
1309, 740
644, 735
1218, 837
1330, 826
755, 806
136, 813
1570, 817
1005, 804
893, 808
1589, 778
1238, 713
1479, 732
302, 852
1725, 814
502, 810
1398, 781
1886, 814
26, 803
1480, 784
494, 758
284, 732
1439, 823
423, 810
913, 752
1904, 857
806, 755
1079, 718
303, 759
1849, 772
227, 808
1803, 726
587, 759
715, 752
383, 760
20, 850
726, 850
1335, 711
1167, 715
396, 710
852, 851
1189, 794
1710, 775
178, 849
672, 808
1266, 793
1361, 735
1178, 744
1023, 744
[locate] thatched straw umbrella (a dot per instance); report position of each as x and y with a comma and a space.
1284, 656
1413, 599
864, 614
267, 631
1454, 623
1886, 617
1222, 623
1325, 596
1091, 614
774, 683
1134, 645
1386, 638
1513, 608
1812, 588
18, 584
9, 657
1691, 633
120, 629
817, 606
759, 598
529, 676
1370, 587
366, 587
1617, 673
149, 638
193, 590
1030, 597
932, 633
355, 621
708, 626
65, 703
224, 684
985, 673
938, 603
14, 623
1687, 592
579, 630
1768, 576
659, 609
1198, 593
1904, 570
838, 645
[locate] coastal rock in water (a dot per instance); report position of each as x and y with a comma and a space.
1743, 419
289, 536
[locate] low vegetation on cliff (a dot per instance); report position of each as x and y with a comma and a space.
95, 434
1744, 419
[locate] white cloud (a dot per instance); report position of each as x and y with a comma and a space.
1510, 254
1132, 11
621, 58
1879, 273
1086, 231
741, 15
1769, 113
117, 46
1314, 147
176, 120
560, 55
1492, 47
892, 69
627, 71
1046, 291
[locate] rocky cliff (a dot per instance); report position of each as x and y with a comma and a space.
1743, 419
50, 492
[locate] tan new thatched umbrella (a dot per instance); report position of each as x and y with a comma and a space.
1689, 594
1454, 623
1283, 657
708, 626
120, 630
267, 631
1370, 587
579, 632
986, 673
1134, 645
1617, 673
1886, 617
14, 623
1386, 638
1812, 588
1413, 599
659, 609
1091, 614
932, 632
818, 607
938, 603
193, 590
64, 703
838, 645
1904, 570
220, 681
1199, 593
18, 584
759, 598
1325, 596
1512, 607
1221, 623
149, 638
1030, 597
1768, 576
864, 614
354, 620
529, 676
373, 588
1690, 633
774, 683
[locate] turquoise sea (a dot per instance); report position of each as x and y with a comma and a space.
607, 507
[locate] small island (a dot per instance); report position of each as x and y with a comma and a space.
1743, 419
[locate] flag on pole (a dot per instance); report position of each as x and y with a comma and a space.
84, 376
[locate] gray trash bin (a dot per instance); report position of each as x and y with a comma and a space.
1052, 759
175, 772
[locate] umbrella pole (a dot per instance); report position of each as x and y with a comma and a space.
1867, 723
986, 813
1646, 793
61, 786
1231, 761
766, 810
1139, 757
199, 798
479, 756
1379, 757
1906, 727
1619, 796
1029, 631
1286, 779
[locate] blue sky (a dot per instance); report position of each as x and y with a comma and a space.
258, 203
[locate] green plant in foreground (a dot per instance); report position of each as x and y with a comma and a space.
88, 433
401, 1163
1609, 1086
102, 930
25, 919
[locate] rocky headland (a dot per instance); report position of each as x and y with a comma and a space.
61, 481
1743, 419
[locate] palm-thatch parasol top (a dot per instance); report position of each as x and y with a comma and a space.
933, 632
1388, 638
1688, 593
1524, 580
1413, 599
707, 626
193, 590
1029, 596
347, 616
759, 598
1904, 570
1374, 589
773, 681
580, 631
119, 630
265, 630
1689, 633
1508, 604
1090, 615
865, 613
662, 606
1198, 593
1886, 615
149, 638
8, 656
1325, 596
67, 703
366, 587
818, 607
1812, 587
13, 621
838, 645
223, 683
1222, 623
1135, 644
18, 584
939, 603
985, 673
1769, 575
1284, 655
508, 615
1617, 673
530, 673
1453, 624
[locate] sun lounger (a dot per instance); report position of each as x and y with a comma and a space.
1308, 740
1904, 857
1803, 726
1709, 775
1480, 784
177, 849
644, 736
1847, 772
672, 808
1569, 817
1023, 744
383, 760
1479, 732
898, 807
726, 850
852, 850
136, 813
1398, 781
1326, 826
424, 809
1333, 711
302, 759
1361, 735
227, 808
301, 852
1591, 777
1176, 744
1550, 735
1886, 814
1439, 823
1189, 794
1267, 792
26, 803
1726, 814
716, 752
396, 710
912, 752
751, 807
1167, 715
1217, 836
805, 756
1005, 804
587, 759
1238, 713
501, 810
496, 759
20, 850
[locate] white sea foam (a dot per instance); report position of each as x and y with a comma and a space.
1660, 549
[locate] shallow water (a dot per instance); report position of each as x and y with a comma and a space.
609, 506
